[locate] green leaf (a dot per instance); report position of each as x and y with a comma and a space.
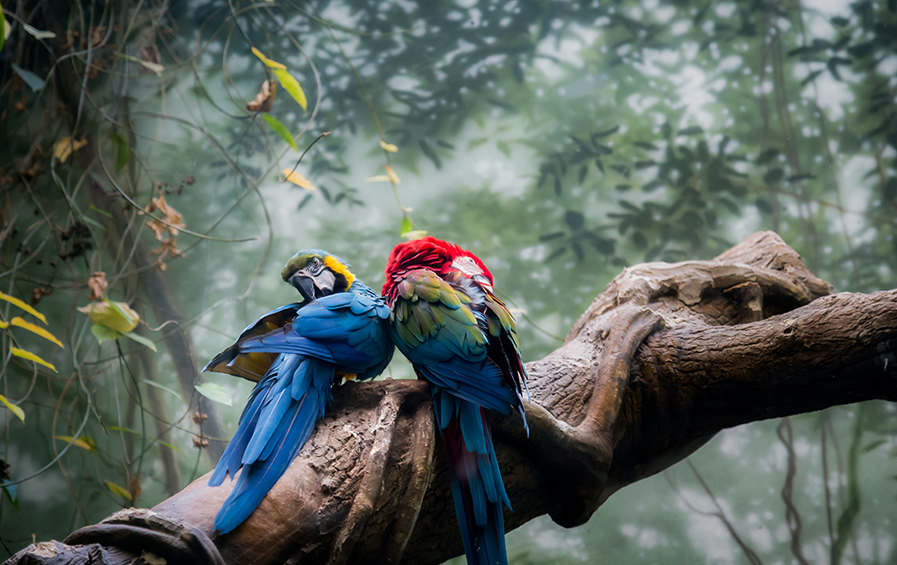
773, 176
20, 414
94, 223
504, 148
155, 67
407, 226
4, 33
811, 77
165, 388
667, 130
429, 153
604, 133
121, 429
11, 491
574, 219
103, 212
214, 392
292, 86
38, 33
142, 340
767, 156
693, 130
122, 152
104, 334
474, 143
168, 445
119, 490
873, 445
281, 130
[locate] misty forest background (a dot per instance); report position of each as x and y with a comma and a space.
560, 141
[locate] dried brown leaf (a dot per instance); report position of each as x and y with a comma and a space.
97, 284
172, 219
38, 292
135, 487
264, 100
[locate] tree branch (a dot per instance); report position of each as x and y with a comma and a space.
663, 359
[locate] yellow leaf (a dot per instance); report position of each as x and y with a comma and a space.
20, 414
33, 328
379, 178
16, 302
83, 442
3, 325
393, 177
66, 146
292, 86
31, 357
388, 147
271, 64
119, 490
117, 316
297, 179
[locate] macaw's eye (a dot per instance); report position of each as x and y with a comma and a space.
314, 265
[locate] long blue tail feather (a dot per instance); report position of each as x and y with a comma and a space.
275, 424
477, 488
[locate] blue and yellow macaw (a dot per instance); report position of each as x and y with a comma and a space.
339, 330
462, 339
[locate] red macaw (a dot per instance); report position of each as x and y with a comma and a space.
295, 352
462, 339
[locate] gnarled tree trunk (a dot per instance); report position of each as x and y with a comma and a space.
665, 357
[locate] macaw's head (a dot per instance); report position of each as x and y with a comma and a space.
437, 255
316, 273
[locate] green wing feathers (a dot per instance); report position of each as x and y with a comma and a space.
500, 320
430, 308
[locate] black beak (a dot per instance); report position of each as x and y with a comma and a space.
304, 284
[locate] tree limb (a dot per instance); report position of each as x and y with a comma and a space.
663, 359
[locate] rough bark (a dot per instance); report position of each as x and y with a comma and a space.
664, 358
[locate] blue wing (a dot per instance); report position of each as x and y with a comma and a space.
347, 329
344, 333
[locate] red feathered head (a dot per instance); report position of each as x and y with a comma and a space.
434, 254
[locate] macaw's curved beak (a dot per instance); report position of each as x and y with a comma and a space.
313, 287
303, 282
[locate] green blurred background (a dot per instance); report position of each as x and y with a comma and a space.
560, 141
